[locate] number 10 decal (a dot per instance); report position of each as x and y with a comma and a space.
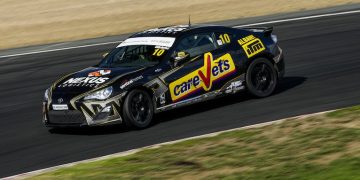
225, 38
158, 52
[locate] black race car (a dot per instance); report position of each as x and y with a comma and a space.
165, 68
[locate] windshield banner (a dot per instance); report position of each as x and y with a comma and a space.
152, 41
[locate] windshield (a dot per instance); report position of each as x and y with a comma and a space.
143, 51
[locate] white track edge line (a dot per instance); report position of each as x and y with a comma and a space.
245, 25
133, 151
59, 49
300, 18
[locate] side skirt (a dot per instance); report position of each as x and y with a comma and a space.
204, 97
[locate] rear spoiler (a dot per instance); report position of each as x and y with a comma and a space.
266, 30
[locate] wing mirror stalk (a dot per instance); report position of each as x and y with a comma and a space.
105, 54
181, 57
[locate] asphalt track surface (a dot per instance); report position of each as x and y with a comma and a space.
322, 73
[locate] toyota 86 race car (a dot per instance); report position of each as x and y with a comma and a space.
165, 68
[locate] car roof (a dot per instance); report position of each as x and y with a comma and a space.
174, 31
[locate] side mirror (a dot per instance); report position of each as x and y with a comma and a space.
105, 54
180, 57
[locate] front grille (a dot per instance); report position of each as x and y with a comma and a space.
66, 117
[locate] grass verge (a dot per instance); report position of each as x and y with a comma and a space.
325, 146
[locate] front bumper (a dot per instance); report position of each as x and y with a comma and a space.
83, 116
280, 63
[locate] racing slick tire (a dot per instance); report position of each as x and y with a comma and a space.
261, 78
138, 109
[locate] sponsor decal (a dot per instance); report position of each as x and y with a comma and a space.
234, 87
127, 83
60, 107
99, 73
84, 82
203, 77
251, 45
162, 99
158, 70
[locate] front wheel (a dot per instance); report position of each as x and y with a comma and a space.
261, 78
138, 109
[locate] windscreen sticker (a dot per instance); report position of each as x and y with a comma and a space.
251, 45
152, 41
158, 52
161, 47
203, 77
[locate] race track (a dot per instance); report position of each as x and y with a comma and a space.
322, 73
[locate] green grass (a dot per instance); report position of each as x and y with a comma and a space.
319, 147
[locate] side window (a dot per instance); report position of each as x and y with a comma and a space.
196, 44
224, 38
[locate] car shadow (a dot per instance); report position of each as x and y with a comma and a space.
284, 84
99, 130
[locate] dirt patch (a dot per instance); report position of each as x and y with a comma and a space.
353, 148
223, 171
25, 23
326, 159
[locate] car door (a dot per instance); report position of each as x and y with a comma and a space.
206, 69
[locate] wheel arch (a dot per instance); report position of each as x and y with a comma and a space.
267, 59
267, 56
125, 111
141, 87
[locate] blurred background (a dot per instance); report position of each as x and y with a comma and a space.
24, 23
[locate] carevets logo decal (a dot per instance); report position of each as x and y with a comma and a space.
203, 77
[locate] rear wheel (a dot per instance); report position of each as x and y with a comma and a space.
261, 78
138, 109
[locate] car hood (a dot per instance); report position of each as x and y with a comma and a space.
88, 79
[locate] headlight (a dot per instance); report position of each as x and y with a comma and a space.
100, 95
46, 95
